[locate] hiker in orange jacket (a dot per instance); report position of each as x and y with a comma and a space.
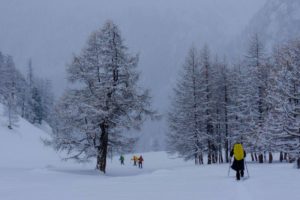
135, 159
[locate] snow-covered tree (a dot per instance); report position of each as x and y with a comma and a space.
37, 98
37, 107
32, 110
2, 68
255, 92
207, 78
234, 106
8, 88
196, 117
108, 99
44, 98
284, 116
184, 135
222, 105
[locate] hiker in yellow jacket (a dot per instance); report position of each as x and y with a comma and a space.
238, 164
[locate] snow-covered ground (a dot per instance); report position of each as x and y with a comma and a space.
30, 171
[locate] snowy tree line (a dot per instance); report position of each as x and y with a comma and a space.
254, 101
29, 97
92, 119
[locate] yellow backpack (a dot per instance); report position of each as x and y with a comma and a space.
238, 152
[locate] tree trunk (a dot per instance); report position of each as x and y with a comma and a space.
285, 157
220, 156
213, 158
201, 159
281, 157
270, 157
102, 149
226, 151
209, 158
261, 158
255, 156
214, 154
298, 163
226, 124
252, 157
209, 161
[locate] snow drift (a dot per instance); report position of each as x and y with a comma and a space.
22, 147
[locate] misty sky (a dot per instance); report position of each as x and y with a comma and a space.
161, 31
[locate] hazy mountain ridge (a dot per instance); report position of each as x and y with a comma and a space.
276, 22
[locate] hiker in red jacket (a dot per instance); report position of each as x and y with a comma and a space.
141, 162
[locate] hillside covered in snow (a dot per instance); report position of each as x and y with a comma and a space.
22, 147
29, 170
276, 22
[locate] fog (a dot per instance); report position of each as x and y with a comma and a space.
161, 31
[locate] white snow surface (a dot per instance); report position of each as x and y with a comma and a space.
31, 171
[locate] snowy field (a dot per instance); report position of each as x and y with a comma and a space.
30, 171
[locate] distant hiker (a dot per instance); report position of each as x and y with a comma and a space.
238, 164
141, 162
122, 159
135, 159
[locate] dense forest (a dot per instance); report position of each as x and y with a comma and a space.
254, 101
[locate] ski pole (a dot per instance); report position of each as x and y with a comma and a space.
229, 167
247, 169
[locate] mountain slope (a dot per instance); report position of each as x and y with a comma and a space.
28, 170
22, 146
276, 22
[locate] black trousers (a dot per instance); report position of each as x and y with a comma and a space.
239, 174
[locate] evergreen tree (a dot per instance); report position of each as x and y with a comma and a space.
31, 98
222, 101
235, 107
94, 115
43, 98
8, 88
255, 95
207, 74
284, 116
185, 136
37, 98
37, 106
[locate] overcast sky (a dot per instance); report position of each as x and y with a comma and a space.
50, 31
